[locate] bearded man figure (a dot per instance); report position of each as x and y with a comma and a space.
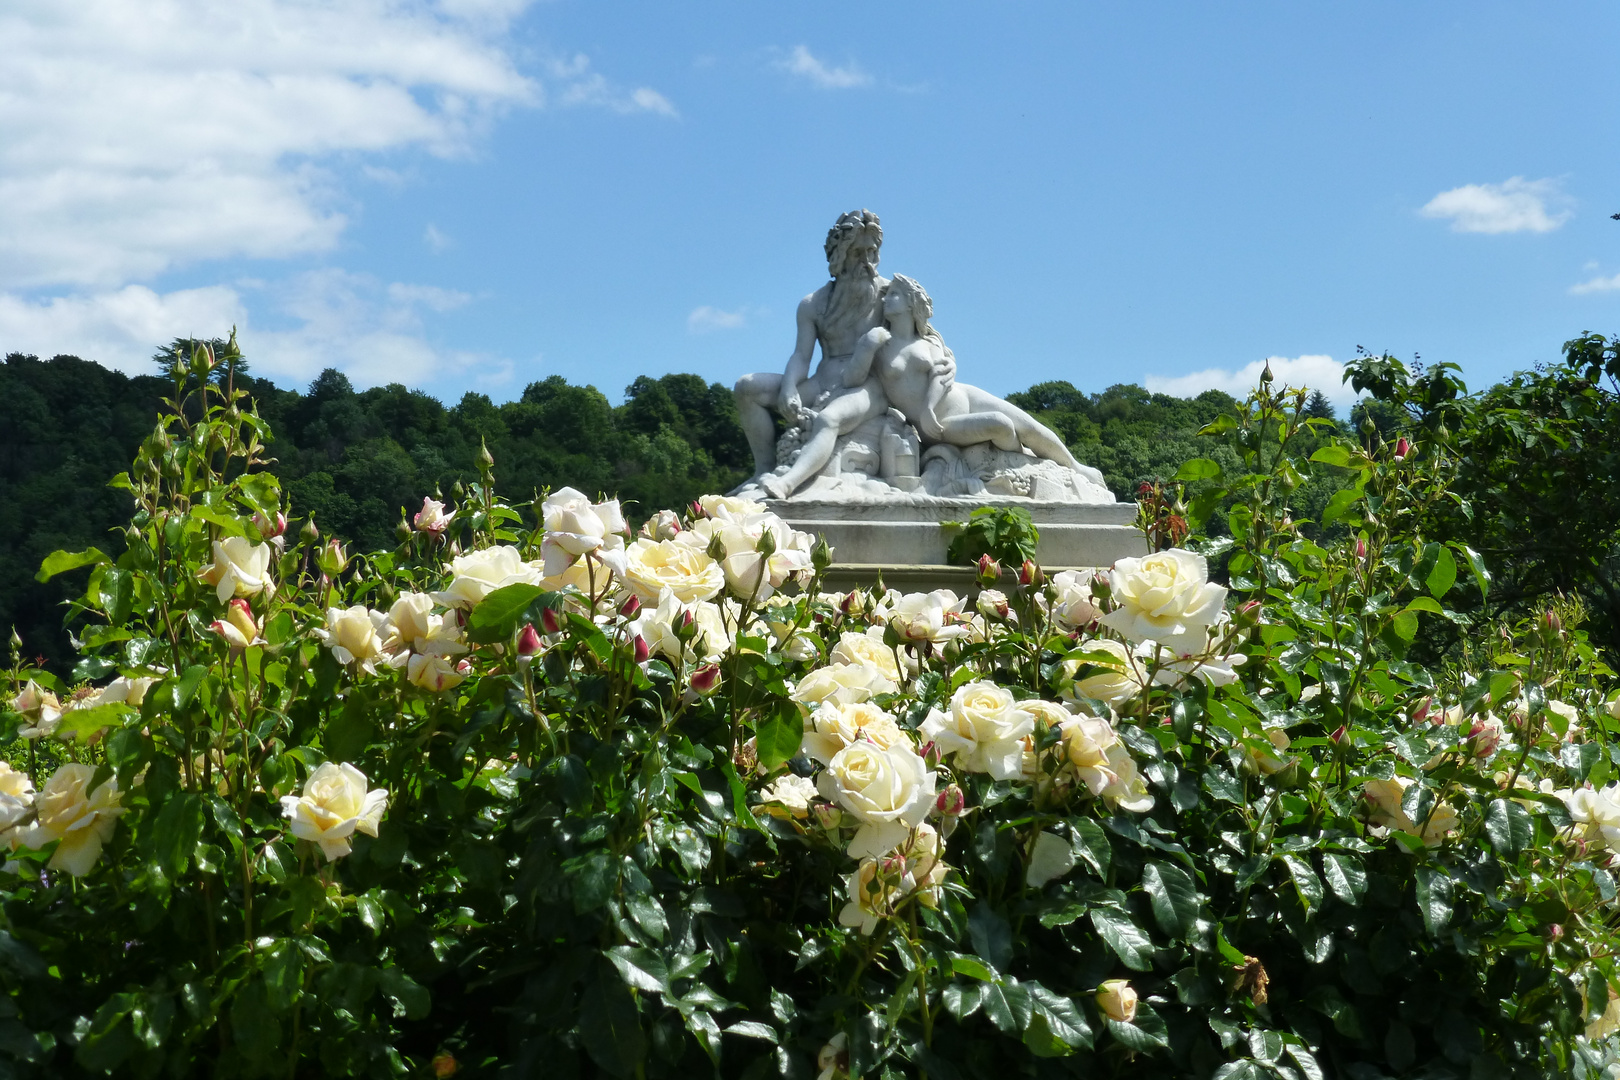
836, 315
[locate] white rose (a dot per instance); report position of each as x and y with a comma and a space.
1566, 712
1117, 1000
832, 727
872, 898
1267, 763
984, 731
919, 617
651, 566
1103, 764
854, 647
1384, 799
1072, 606
1212, 670
889, 791
432, 519
40, 707
925, 865
16, 799
1120, 679
435, 672
476, 574
1050, 857
82, 820
1165, 597
992, 604
1612, 706
335, 804
789, 796
576, 526
412, 626
842, 684
664, 525
751, 575
121, 691
353, 635
726, 507
240, 568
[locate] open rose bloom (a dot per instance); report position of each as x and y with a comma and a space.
334, 806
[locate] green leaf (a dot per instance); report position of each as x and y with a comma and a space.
84, 723
1174, 895
1345, 877
971, 966
1090, 843
1333, 455
410, 996
777, 737
1339, 505
1509, 826
642, 969
1129, 943
1405, 625
1306, 1062
176, 831
991, 936
1199, 469
1443, 576
752, 1029
1476, 566
1306, 883
116, 592
1424, 603
496, 616
1145, 1033
1061, 1019
1434, 898
60, 562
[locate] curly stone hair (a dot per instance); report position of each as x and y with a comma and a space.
850, 228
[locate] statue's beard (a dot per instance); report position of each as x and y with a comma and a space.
854, 293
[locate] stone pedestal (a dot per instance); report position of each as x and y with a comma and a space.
907, 542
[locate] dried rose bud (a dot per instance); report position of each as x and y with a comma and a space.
528, 642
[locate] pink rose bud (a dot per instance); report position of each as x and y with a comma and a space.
706, 679
827, 815
464, 668
528, 641
688, 622
549, 621
1361, 548
1249, 614
1339, 736
1421, 713
851, 603
989, 570
643, 654
695, 508
232, 635
1554, 931
929, 752
1029, 573
1402, 448
951, 802
1552, 622
268, 527
629, 608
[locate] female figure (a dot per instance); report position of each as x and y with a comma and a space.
909, 360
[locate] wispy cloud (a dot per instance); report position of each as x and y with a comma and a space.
1515, 205
706, 319
801, 62
435, 239
1318, 372
1597, 285
582, 86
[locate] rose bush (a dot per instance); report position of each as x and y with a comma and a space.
529, 795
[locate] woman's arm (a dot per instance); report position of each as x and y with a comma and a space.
860, 364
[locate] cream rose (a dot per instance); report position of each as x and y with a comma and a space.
1267, 763
576, 526
1117, 1000
81, 820
476, 574
240, 568
1166, 597
832, 727
1072, 606
1384, 799
1103, 764
1597, 812
334, 806
121, 691
984, 730
16, 803
355, 635
1120, 679
435, 671
651, 566
40, 707
842, 684
1050, 857
933, 617
854, 647
872, 897
890, 792
788, 796
432, 519
726, 507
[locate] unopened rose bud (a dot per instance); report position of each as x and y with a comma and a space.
1361, 547
1116, 998
951, 802
686, 627
486, 460
706, 679
239, 615
1248, 614
643, 653
1029, 574
1552, 624
528, 642
716, 549
826, 815
852, 603
444, 1065
1554, 931
929, 752
631, 605
1403, 449
766, 544
549, 621
993, 604
989, 570
695, 509
231, 633
309, 534
403, 530
333, 559
1421, 713
269, 528
821, 556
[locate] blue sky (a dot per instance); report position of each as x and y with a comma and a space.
474, 194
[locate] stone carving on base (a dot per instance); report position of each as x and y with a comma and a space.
883, 419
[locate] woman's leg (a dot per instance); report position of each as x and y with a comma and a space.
977, 427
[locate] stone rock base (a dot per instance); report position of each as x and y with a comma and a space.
908, 542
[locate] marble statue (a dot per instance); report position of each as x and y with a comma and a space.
883, 418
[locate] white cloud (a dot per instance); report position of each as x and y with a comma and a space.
1597, 285
1515, 205
705, 319
1311, 370
434, 239
327, 318
803, 63
582, 86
